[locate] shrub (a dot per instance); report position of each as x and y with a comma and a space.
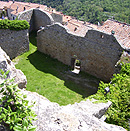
119, 95
14, 24
4, 24
15, 113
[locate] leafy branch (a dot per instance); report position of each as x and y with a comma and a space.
119, 95
15, 112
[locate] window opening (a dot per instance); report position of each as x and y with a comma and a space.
102, 36
75, 65
75, 28
24, 8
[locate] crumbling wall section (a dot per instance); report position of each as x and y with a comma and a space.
14, 43
98, 52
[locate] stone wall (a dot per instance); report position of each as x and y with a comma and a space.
36, 18
41, 18
98, 52
57, 17
29, 17
13, 42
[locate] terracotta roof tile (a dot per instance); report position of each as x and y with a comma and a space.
78, 27
18, 7
5, 4
122, 31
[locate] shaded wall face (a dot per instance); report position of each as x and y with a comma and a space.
98, 55
29, 17
57, 17
36, 18
41, 19
14, 43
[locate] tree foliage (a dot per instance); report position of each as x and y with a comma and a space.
119, 95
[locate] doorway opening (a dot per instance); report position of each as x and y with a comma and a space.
75, 65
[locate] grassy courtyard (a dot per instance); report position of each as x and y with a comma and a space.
52, 79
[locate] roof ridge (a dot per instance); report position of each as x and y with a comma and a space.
119, 22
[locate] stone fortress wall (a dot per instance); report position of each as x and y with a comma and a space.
57, 17
28, 16
41, 19
38, 18
98, 52
14, 43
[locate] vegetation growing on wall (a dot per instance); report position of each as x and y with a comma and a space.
14, 24
15, 113
119, 95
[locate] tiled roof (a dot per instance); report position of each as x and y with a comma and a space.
121, 31
5, 4
18, 7
78, 27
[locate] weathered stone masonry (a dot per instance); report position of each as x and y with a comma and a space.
98, 52
14, 43
28, 16
36, 18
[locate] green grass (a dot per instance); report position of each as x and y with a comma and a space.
51, 78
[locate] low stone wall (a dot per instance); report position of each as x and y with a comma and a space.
98, 52
14, 43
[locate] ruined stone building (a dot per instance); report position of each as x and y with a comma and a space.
98, 48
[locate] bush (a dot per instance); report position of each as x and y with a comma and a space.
14, 24
119, 95
4, 24
15, 113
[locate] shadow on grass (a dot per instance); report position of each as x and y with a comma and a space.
84, 85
